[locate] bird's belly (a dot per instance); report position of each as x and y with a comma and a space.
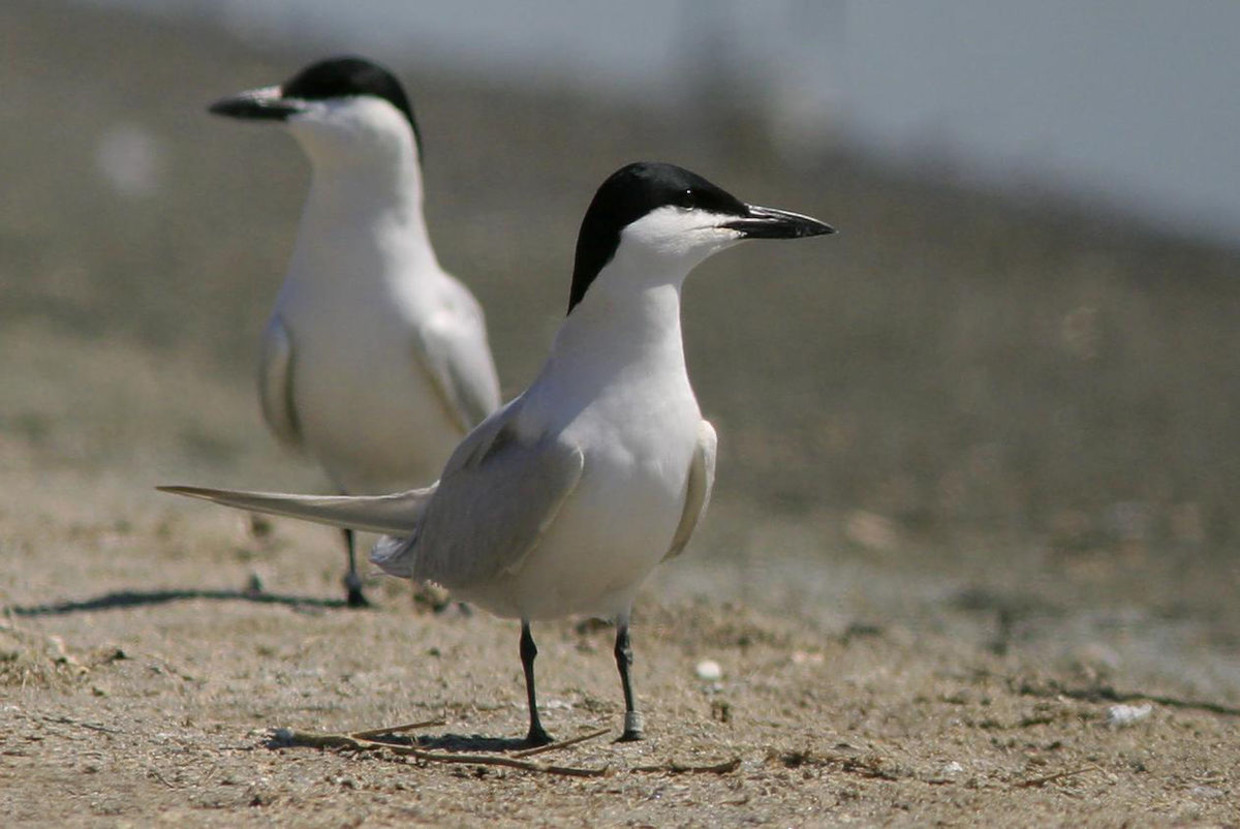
369, 414
611, 533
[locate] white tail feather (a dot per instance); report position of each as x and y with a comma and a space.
396, 514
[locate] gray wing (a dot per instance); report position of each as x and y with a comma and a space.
452, 347
697, 492
275, 383
499, 493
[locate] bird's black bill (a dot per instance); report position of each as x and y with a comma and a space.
769, 223
257, 105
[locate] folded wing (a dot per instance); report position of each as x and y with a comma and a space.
452, 348
275, 383
499, 494
697, 490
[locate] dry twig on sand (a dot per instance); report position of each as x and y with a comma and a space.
396, 729
290, 737
672, 767
1036, 782
361, 741
572, 741
1106, 693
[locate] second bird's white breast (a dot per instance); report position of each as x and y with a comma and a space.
367, 410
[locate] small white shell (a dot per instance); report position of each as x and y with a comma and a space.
709, 670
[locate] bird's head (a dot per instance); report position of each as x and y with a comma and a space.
340, 110
670, 220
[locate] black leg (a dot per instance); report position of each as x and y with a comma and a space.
537, 736
633, 725
352, 581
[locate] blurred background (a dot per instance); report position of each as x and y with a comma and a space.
1012, 375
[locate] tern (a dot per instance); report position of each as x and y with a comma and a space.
562, 502
374, 361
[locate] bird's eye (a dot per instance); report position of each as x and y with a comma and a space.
686, 198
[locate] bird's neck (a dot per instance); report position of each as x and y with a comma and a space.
631, 334
369, 204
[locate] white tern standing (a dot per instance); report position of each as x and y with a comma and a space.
375, 361
563, 501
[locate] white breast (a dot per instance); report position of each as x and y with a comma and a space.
636, 420
367, 410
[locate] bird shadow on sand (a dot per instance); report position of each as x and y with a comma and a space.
469, 742
119, 599
459, 743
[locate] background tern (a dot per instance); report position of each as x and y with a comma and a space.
375, 361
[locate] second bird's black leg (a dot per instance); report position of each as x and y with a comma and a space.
537, 736
352, 581
633, 726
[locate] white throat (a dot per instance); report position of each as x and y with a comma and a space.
363, 214
626, 330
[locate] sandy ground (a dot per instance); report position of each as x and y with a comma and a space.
876, 666
140, 684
